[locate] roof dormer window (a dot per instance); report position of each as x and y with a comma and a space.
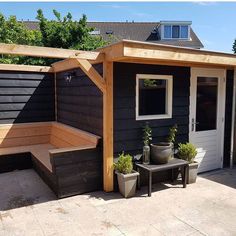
175, 30
184, 33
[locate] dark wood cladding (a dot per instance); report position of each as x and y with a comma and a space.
78, 172
228, 116
79, 101
128, 131
19, 161
47, 176
73, 172
26, 97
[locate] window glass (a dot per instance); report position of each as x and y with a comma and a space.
206, 113
152, 96
184, 32
175, 31
167, 31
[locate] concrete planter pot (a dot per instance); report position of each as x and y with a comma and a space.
161, 152
192, 175
127, 183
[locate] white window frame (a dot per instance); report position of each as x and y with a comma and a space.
169, 97
163, 32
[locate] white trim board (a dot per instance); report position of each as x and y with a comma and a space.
169, 97
205, 136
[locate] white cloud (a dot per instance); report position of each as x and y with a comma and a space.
114, 6
204, 3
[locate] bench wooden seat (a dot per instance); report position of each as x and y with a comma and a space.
40, 151
49, 143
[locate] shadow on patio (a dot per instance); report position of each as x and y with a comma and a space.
223, 176
23, 188
141, 193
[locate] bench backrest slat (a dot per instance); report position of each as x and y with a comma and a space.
59, 135
62, 135
24, 134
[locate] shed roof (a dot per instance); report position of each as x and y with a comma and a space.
136, 51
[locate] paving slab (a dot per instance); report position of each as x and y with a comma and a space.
28, 207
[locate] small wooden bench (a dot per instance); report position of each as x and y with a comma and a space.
172, 164
68, 159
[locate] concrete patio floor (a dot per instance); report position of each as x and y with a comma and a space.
28, 207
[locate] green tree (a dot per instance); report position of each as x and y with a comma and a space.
12, 31
234, 46
62, 32
67, 33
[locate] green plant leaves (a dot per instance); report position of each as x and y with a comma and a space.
62, 32
187, 151
124, 164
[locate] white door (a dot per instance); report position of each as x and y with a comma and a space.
206, 121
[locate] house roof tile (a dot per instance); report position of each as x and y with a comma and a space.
138, 31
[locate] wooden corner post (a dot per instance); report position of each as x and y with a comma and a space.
108, 127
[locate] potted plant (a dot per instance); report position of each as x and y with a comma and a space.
127, 177
188, 152
161, 152
171, 138
147, 137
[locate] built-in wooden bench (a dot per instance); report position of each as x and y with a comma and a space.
68, 159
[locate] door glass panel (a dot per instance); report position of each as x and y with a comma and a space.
206, 109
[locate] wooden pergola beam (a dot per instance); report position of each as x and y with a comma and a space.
89, 70
108, 127
34, 51
13, 67
72, 63
64, 65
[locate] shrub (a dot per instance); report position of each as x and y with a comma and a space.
124, 164
187, 152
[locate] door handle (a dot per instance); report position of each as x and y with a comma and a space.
194, 123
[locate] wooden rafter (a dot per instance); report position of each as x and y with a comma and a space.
72, 63
12, 67
34, 51
65, 65
89, 70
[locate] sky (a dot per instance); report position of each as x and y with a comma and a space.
213, 22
